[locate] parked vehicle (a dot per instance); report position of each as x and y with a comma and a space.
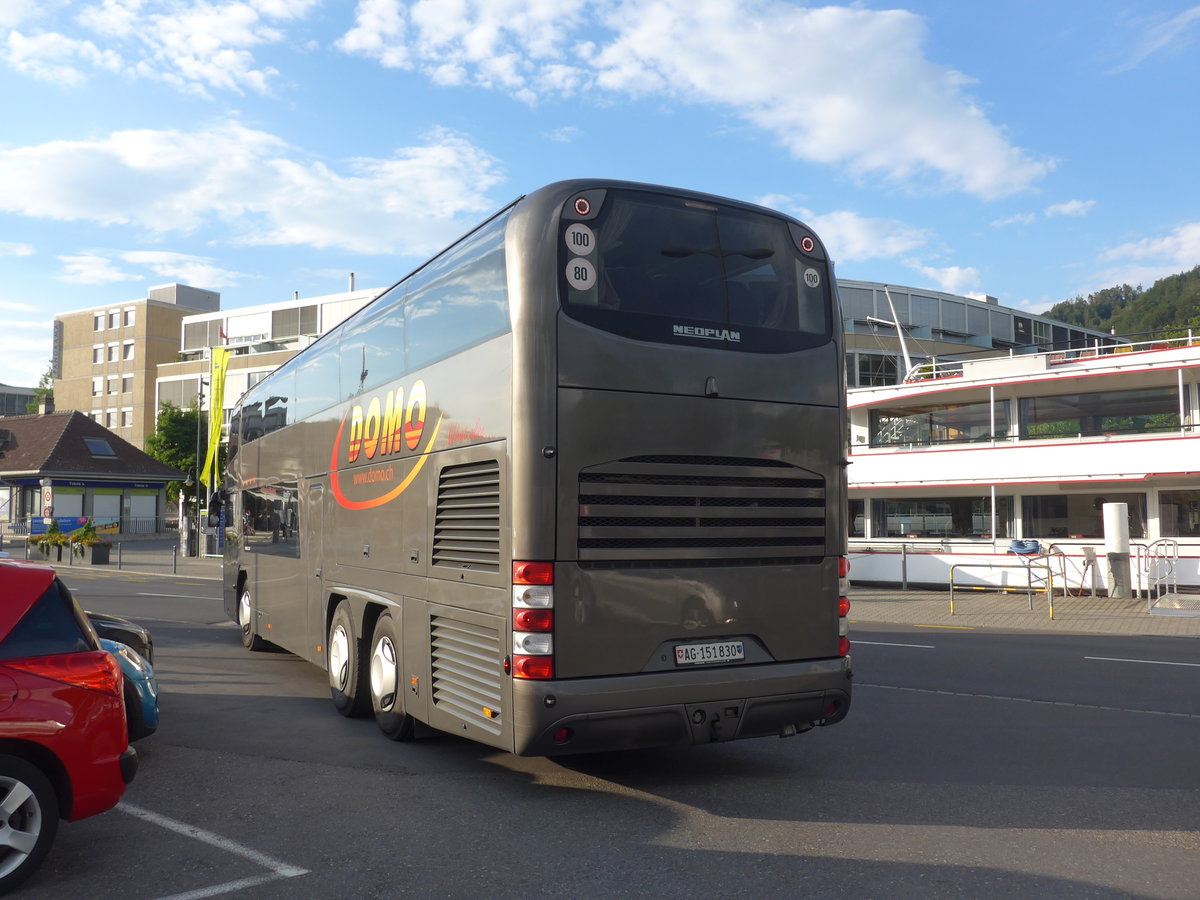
140, 689
131, 634
64, 748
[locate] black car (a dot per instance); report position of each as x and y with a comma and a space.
131, 634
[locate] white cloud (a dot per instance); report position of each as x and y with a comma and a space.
183, 268
1179, 248
1149, 259
13, 306
90, 268
411, 202
951, 279
844, 86
195, 45
1170, 35
1018, 219
15, 248
1070, 208
850, 237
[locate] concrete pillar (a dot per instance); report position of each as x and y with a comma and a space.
1116, 548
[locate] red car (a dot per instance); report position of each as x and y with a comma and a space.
64, 750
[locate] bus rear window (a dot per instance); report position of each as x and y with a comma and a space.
663, 269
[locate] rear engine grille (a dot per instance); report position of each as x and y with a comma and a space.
467, 664
694, 510
466, 532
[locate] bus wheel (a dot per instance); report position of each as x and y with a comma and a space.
247, 619
387, 682
347, 676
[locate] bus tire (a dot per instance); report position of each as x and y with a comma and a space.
247, 619
31, 809
387, 682
347, 675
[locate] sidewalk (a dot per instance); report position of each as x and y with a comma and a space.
972, 609
992, 609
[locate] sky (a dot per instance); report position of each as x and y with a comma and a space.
1031, 151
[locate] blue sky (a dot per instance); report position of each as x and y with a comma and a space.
1032, 151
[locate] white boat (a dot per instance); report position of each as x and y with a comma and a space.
951, 468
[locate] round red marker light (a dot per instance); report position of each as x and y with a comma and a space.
582, 206
807, 245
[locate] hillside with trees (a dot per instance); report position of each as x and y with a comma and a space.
1172, 304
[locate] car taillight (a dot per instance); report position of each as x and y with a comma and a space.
843, 606
96, 670
533, 620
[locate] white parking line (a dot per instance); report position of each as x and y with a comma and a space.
278, 869
174, 596
1152, 662
854, 643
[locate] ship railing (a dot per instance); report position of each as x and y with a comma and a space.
1156, 570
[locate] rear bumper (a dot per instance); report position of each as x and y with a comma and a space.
678, 707
129, 765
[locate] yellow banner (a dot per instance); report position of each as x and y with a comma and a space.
216, 413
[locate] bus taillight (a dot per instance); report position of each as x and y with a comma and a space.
843, 606
533, 620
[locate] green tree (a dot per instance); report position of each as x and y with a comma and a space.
179, 434
44, 388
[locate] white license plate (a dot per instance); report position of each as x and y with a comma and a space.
716, 652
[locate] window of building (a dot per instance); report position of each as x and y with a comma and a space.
1102, 412
938, 424
97, 386
1179, 514
129, 316
97, 321
1078, 515
856, 518
114, 351
1042, 333
127, 417
99, 446
110, 418
113, 381
127, 352
875, 370
941, 517
126, 384
97, 353
114, 318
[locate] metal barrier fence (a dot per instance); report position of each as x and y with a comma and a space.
136, 525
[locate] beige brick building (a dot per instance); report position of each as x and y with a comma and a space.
106, 359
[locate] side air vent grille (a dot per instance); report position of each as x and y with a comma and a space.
467, 669
466, 531
682, 510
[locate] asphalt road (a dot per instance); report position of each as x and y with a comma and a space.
973, 764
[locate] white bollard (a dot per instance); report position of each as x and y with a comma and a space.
1116, 548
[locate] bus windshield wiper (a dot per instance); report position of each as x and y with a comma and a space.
683, 252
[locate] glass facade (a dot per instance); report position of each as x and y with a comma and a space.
940, 517
938, 424
1078, 515
1103, 412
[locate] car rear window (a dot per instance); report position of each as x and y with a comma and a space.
54, 624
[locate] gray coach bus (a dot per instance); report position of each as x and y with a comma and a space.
575, 484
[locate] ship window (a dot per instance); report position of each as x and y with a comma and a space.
1179, 513
1103, 412
940, 517
924, 425
1050, 516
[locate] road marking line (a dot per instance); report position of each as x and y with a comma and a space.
226, 888
1152, 662
173, 596
1091, 706
948, 627
856, 643
278, 868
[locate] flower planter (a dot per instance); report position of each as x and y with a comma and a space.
52, 553
93, 555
